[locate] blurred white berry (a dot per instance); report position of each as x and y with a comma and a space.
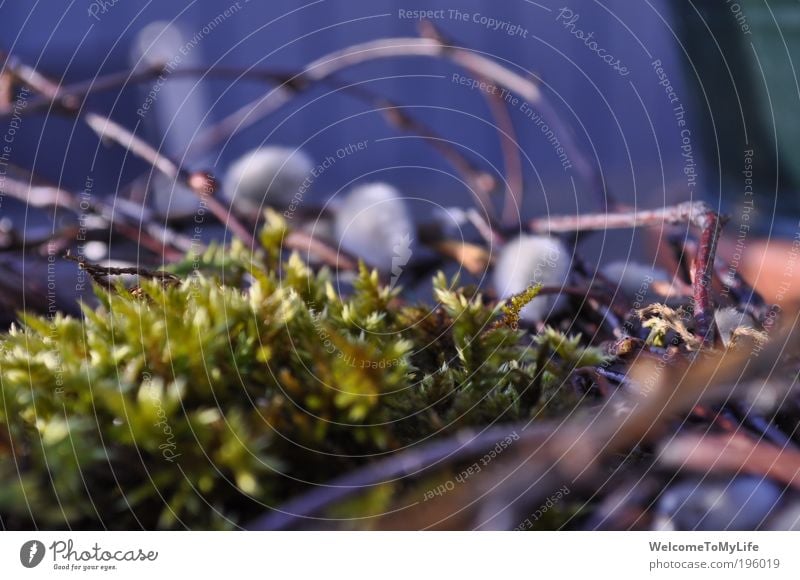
372, 223
267, 176
529, 260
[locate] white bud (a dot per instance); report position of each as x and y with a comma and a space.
529, 260
372, 223
267, 176
728, 320
95, 251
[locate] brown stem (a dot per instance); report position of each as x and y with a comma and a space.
31, 77
335, 258
689, 212
156, 238
202, 184
697, 213
108, 129
480, 182
102, 274
711, 225
733, 453
509, 145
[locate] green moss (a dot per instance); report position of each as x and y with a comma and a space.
198, 404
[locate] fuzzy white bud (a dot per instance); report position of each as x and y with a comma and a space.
372, 223
529, 260
267, 176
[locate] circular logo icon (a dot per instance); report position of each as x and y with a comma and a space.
31, 553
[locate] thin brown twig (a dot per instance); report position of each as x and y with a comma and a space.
480, 182
102, 274
711, 225
509, 145
733, 453
157, 238
676, 214
697, 213
201, 184
336, 258
289, 85
333, 62
31, 77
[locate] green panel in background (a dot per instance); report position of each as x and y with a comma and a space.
774, 47
740, 66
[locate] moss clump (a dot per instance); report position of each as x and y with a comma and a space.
199, 404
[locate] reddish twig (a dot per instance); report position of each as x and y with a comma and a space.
710, 225
336, 258
733, 453
202, 184
697, 213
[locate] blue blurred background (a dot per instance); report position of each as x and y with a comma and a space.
624, 124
